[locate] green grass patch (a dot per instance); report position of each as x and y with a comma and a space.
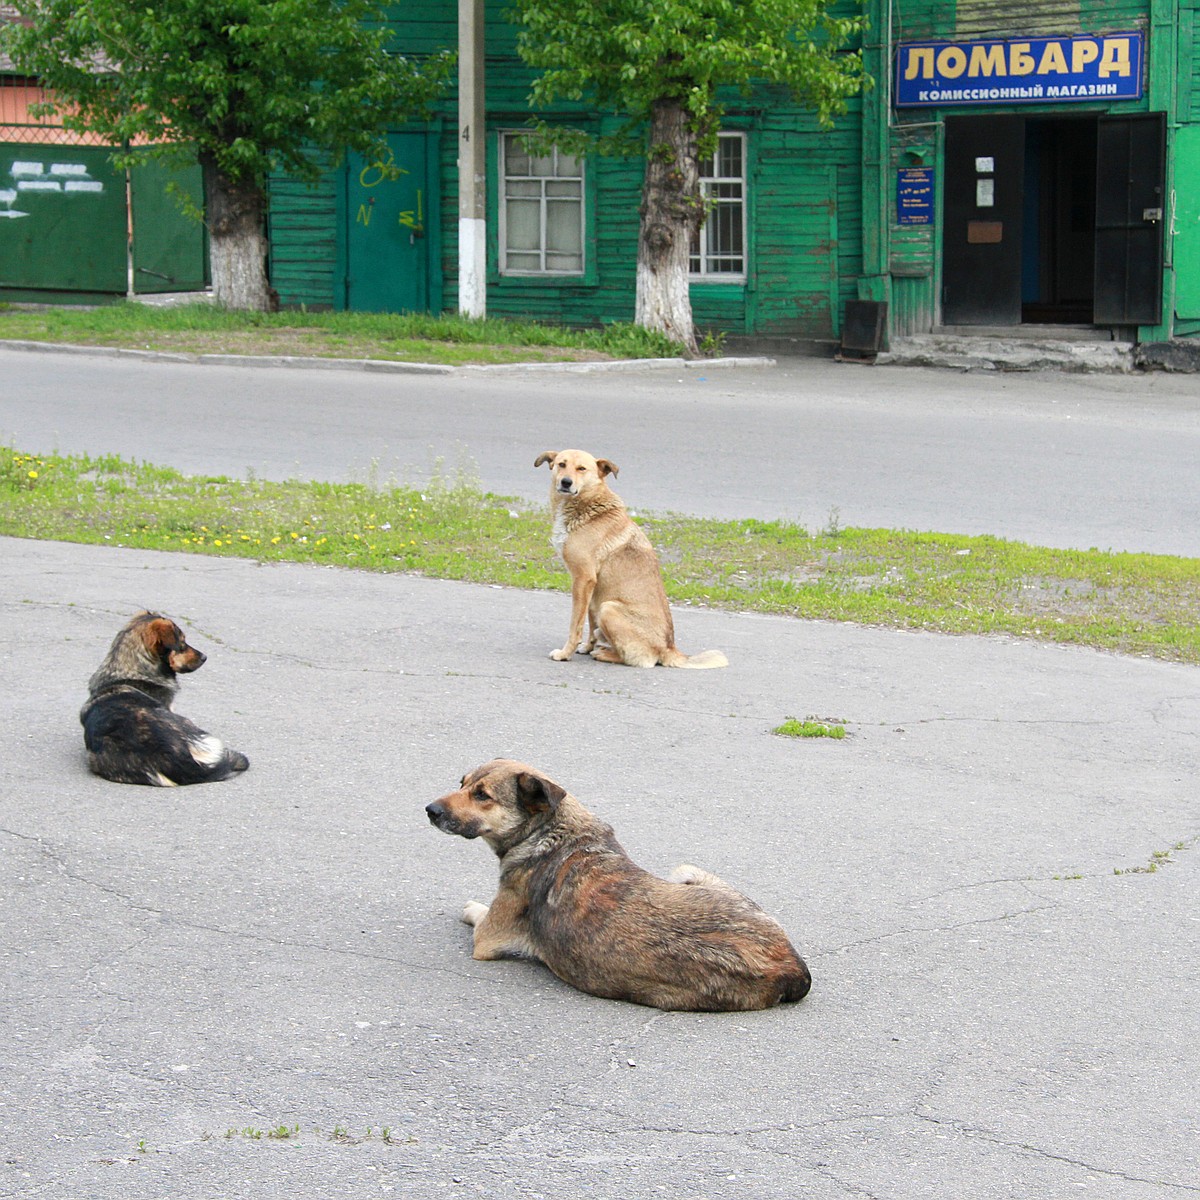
1129, 603
810, 727
204, 328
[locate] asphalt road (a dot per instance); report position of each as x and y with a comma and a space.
993, 879
1049, 458
1004, 999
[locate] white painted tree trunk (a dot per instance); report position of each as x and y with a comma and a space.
237, 243
671, 212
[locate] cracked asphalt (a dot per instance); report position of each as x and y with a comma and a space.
261, 988
996, 1010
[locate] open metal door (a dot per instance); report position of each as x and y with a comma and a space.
1131, 155
982, 221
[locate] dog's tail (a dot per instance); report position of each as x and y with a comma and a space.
699, 662
796, 984
211, 760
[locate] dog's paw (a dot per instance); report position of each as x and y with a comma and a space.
474, 912
686, 873
560, 655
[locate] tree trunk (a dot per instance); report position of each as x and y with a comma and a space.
671, 212
237, 247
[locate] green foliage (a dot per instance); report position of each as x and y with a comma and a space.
626, 55
256, 84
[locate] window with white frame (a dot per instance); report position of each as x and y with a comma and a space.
719, 249
541, 210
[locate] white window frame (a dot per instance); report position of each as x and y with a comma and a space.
542, 270
705, 255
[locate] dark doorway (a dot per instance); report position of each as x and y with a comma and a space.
1053, 219
1058, 252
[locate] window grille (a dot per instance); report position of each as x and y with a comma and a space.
719, 249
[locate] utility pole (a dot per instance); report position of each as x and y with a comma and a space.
472, 162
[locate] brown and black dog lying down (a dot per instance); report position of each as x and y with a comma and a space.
572, 898
616, 582
130, 732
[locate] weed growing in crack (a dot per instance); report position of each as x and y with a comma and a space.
342, 1134
1158, 858
811, 727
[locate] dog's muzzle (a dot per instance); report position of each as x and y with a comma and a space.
441, 816
191, 660
567, 486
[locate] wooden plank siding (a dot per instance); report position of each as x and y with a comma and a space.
1186, 191
803, 209
820, 230
303, 239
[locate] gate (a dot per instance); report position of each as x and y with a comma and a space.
62, 219
64, 223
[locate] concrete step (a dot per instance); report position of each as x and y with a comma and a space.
1030, 333
1023, 353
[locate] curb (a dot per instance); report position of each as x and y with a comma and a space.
382, 366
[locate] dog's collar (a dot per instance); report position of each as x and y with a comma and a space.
142, 687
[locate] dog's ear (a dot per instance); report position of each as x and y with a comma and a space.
159, 636
549, 456
606, 468
536, 793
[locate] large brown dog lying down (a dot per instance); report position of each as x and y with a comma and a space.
572, 898
615, 578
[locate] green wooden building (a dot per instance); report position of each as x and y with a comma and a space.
1035, 162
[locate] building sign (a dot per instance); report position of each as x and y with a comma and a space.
1095, 67
914, 196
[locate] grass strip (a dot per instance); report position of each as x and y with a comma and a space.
204, 328
1138, 604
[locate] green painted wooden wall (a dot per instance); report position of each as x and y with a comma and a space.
1187, 172
304, 236
804, 210
815, 207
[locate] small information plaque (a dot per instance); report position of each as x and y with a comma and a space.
914, 196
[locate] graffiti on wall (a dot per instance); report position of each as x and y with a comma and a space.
65, 179
380, 172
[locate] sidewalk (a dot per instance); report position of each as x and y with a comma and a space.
1004, 997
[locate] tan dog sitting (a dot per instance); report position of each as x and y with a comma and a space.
615, 578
